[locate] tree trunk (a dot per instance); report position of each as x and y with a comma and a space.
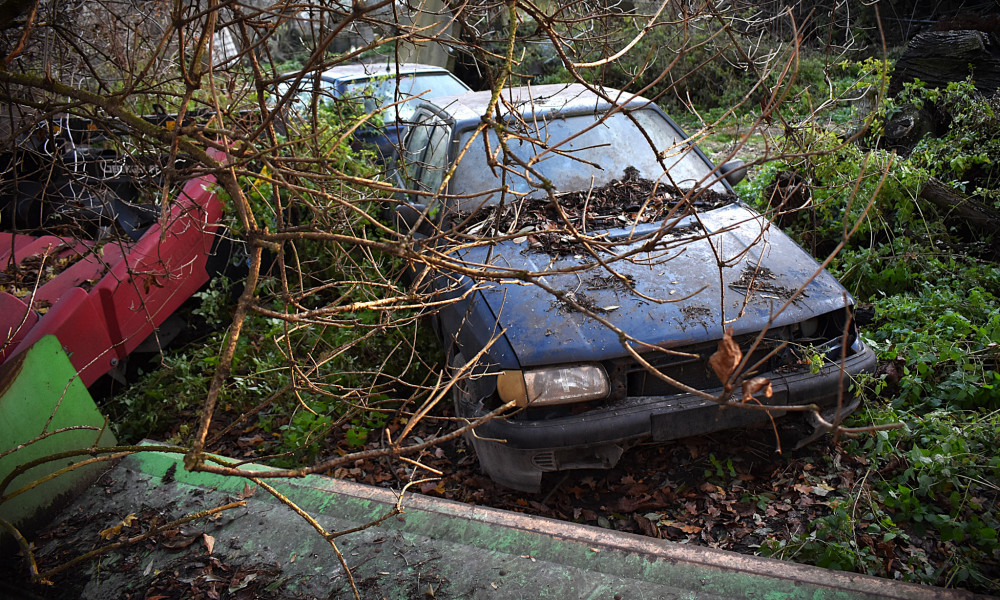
980, 219
940, 57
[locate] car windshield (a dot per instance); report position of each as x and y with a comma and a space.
591, 159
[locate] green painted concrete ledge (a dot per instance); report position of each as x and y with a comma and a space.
437, 549
43, 405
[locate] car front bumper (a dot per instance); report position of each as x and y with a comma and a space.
512, 450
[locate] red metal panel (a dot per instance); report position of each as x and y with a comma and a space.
140, 284
10, 242
16, 320
85, 338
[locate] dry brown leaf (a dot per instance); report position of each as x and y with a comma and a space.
707, 487
179, 543
209, 542
693, 449
725, 360
755, 385
646, 526
111, 532
247, 492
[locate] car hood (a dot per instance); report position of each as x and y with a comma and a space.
680, 297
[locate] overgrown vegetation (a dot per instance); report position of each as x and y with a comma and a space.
931, 494
932, 489
331, 353
356, 361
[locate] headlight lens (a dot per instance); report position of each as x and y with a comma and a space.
553, 385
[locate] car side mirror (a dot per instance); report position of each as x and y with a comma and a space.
733, 171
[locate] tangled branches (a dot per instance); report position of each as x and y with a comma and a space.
328, 334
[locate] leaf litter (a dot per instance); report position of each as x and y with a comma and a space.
549, 225
729, 491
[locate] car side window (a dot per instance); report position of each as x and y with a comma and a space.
432, 173
426, 152
416, 146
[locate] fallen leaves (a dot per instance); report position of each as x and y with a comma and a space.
21, 279
728, 491
174, 539
549, 225
643, 502
247, 492
433, 487
189, 571
209, 542
646, 526
727, 358
680, 526
115, 530
821, 489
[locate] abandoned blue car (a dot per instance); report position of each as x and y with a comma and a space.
598, 261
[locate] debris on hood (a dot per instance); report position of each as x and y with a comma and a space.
760, 279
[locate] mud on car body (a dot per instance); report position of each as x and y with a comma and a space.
656, 276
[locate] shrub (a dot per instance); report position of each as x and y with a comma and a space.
937, 334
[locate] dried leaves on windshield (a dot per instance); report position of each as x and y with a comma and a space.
625, 202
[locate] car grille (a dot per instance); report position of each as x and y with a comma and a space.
630, 381
690, 371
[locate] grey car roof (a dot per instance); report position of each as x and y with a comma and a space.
368, 70
570, 98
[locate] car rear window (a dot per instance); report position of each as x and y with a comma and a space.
380, 90
591, 159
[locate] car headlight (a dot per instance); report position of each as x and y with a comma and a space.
553, 385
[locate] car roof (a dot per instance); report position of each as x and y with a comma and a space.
559, 97
368, 70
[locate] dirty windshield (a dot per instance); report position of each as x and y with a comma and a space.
605, 177
591, 159
377, 91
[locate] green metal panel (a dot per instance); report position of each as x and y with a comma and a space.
40, 397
